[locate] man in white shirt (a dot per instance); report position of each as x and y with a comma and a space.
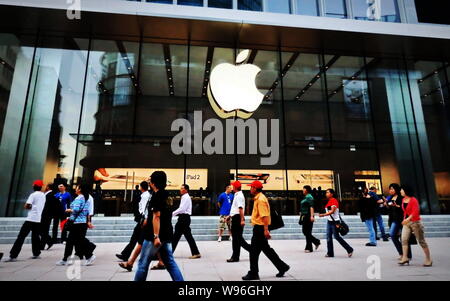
35, 205
145, 198
238, 222
184, 222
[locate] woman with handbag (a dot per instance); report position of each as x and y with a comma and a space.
412, 224
77, 227
333, 224
394, 205
307, 219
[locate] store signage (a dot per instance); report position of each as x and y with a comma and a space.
232, 90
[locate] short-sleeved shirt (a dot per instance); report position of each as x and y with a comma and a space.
159, 203
225, 200
306, 204
238, 202
37, 202
328, 207
261, 208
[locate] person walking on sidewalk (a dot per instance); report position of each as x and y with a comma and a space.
237, 222
145, 197
78, 221
412, 224
367, 208
332, 213
378, 214
261, 235
307, 219
394, 204
224, 203
65, 198
183, 225
35, 205
51, 212
158, 231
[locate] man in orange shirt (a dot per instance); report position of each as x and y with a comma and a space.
261, 234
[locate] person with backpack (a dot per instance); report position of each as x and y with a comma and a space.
332, 213
261, 219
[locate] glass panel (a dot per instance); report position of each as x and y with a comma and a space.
160, 1
388, 11
335, 9
431, 79
190, 2
220, 3
208, 167
16, 58
308, 7
57, 84
278, 6
254, 5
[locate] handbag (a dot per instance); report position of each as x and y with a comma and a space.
276, 220
302, 218
341, 226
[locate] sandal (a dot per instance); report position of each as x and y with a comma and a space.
158, 267
124, 265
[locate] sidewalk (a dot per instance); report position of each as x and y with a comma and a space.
213, 266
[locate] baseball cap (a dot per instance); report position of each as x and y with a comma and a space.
38, 183
256, 184
236, 184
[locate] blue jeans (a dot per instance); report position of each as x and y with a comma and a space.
395, 233
379, 219
148, 251
332, 231
372, 236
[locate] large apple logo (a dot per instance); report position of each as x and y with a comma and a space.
232, 89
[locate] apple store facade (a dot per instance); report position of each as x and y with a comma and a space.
96, 104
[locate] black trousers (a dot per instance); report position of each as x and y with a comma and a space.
126, 253
77, 238
27, 227
46, 239
238, 239
260, 243
307, 231
183, 227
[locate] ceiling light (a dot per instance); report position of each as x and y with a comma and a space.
352, 148
311, 147
108, 141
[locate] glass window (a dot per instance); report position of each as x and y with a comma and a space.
254, 5
335, 9
160, 1
308, 7
388, 11
220, 3
190, 2
278, 6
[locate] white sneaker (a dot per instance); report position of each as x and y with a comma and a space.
11, 259
62, 262
90, 261
220, 239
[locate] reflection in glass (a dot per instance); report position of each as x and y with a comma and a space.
389, 10
220, 3
308, 7
253, 5
190, 2
335, 9
278, 6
